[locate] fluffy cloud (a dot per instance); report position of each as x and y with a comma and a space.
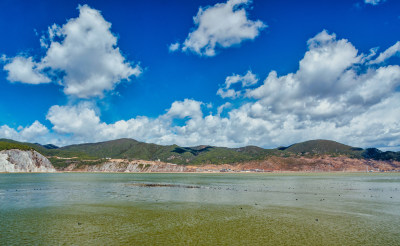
80, 119
329, 84
374, 2
249, 124
246, 80
391, 51
80, 123
23, 69
8, 132
83, 123
228, 93
33, 133
187, 108
174, 47
82, 55
221, 25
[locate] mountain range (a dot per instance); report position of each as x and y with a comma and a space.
130, 149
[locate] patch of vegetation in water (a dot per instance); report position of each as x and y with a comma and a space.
165, 185
189, 224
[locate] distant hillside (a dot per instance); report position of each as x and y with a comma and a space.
376, 154
132, 149
319, 147
112, 149
50, 146
12, 144
6, 145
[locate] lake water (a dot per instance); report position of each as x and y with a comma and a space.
199, 209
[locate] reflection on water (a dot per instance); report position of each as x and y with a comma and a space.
205, 209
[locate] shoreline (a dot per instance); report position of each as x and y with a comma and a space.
272, 172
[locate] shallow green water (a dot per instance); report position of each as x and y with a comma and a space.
199, 209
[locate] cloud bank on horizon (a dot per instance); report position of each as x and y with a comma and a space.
336, 93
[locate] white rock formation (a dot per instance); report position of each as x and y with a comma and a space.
119, 165
14, 161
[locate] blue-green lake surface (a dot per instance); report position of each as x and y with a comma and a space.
199, 209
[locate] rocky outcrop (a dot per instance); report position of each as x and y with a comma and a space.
14, 161
126, 166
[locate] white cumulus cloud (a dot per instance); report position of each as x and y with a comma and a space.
33, 133
246, 80
25, 70
328, 84
82, 55
79, 119
186, 108
221, 26
80, 123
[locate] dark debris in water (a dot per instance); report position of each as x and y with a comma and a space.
165, 185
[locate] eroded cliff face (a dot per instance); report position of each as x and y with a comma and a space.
304, 164
125, 166
14, 161
270, 164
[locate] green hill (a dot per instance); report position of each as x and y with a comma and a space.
376, 154
11, 144
8, 143
319, 147
4, 145
112, 149
132, 149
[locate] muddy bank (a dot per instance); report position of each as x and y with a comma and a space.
304, 164
152, 185
270, 164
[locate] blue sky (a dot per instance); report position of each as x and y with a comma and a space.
334, 65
